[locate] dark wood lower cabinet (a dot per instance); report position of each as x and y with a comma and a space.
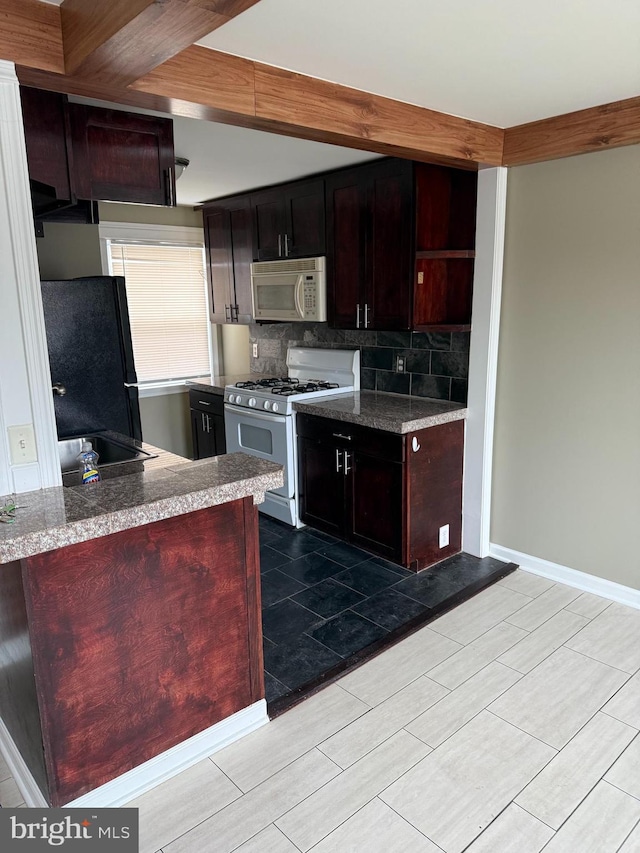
389, 494
377, 505
207, 424
139, 640
323, 484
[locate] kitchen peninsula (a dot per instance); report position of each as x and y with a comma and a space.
130, 618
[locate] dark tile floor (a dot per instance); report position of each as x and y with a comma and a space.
324, 600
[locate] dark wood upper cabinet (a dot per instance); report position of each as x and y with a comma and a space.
445, 243
76, 152
289, 221
46, 136
389, 246
400, 246
228, 242
119, 156
346, 246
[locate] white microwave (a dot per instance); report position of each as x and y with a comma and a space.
290, 291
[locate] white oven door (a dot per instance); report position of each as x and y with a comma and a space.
265, 435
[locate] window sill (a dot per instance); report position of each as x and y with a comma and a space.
161, 389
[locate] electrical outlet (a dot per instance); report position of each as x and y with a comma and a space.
443, 536
22, 444
400, 364
254, 350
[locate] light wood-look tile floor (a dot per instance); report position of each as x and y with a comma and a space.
511, 723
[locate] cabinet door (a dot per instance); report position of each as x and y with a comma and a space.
45, 133
217, 232
376, 504
322, 485
269, 224
242, 255
119, 156
203, 433
305, 226
346, 195
390, 246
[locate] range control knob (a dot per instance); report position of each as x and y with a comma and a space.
238, 399
232, 398
275, 407
252, 401
267, 404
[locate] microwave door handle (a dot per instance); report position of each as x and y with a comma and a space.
298, 296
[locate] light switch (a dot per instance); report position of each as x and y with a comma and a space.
22, 444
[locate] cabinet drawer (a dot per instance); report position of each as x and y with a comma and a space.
205, 402
373, 442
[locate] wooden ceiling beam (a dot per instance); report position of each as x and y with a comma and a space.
596, 129
122, 40
31, 35
268, 98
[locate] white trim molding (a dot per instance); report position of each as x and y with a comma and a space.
141, 779
27, 785
483, 360
25, 379
571, 577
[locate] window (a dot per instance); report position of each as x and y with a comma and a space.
167, 298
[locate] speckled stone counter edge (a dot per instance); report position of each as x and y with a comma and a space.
387, 423
29, 544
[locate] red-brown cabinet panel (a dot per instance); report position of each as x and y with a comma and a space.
142, 639
121, 156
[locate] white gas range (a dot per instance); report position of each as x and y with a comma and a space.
260, 420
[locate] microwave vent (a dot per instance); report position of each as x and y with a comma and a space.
303, 265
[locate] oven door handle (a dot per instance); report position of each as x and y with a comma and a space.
256, 416
298, 296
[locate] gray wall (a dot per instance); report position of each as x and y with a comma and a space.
437, 363
166, 422
567, 443
68, 251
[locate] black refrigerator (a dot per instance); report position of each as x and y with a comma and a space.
91, 355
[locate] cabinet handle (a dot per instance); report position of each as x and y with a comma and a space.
227, 313
168, 189
204, 403
286, 245
204, 428
347, 459
338, 454
357, 316
279, 245
235, 308
366, 316
340, 435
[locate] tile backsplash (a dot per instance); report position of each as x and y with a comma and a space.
436, 363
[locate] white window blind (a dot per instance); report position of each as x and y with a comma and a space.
167, 308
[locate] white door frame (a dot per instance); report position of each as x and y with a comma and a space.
483, 360
25, 378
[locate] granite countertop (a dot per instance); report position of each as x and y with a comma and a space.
53, 518
215, 384
382, 410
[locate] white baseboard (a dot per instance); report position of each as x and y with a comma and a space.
27, 785
571, 577
136, 782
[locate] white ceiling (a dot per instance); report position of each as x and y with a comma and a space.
503, 62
